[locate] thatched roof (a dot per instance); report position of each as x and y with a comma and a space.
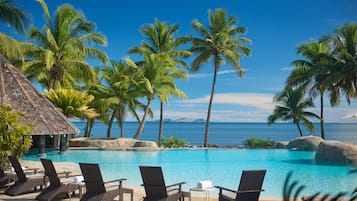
17, 91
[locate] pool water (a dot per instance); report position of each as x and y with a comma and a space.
222, 167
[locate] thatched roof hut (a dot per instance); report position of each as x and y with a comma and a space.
16, 90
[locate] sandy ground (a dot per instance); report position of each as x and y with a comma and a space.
139, 193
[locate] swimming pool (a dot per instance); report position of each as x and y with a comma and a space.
223, 167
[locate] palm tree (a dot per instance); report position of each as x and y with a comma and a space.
160, 40
292, 106
344, 72
64, 41
13, 16
159, 75
118, 93
16, 18
311, 72
220, 41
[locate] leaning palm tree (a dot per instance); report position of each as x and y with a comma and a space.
160, 40
311, 72
159, 74
118, 92
292, 106
64, 44
221, 41
16, 18
344, 72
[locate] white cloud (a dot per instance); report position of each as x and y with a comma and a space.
262, 101
204, 75
289, 68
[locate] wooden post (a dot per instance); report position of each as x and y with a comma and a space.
63, 143
42, 146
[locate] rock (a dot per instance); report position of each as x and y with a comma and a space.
306, 143
337, 152
145, 146
282, 145
114, 144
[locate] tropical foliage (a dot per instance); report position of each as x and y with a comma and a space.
59, 59
173, 142
292, 106
14, 137
159, 72
16, 18
72, 103
343, 73
292, 190
310, 73
118, 93
221, 42
160, 40
328, 65
257, 143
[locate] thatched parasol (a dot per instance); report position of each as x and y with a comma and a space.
22, 96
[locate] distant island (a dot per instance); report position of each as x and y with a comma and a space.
183, 120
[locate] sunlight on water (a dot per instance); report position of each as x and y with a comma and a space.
222, 167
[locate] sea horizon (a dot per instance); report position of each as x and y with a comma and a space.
224, 133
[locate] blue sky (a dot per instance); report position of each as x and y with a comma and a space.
275, 27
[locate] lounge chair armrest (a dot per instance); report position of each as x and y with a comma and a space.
250, 191
172, 189
177, 184
68, 175
32, 170
63, 174
117, 180
224, 188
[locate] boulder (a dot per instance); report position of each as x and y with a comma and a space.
114, 144
337, 152
282, 145
306, 143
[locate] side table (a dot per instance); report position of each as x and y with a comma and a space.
206, 190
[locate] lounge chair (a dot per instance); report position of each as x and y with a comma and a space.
61, 184
6, 179
25, 182
97, 189
249, 189
155, 187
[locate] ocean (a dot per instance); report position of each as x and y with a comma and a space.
226, 134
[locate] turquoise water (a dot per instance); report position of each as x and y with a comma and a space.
224, 133
222, 167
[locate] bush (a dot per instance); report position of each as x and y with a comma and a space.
173, 142
256, 143
14, 137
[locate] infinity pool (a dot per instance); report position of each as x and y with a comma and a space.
222, 167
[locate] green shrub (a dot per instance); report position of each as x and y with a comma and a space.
14, 137
256, 143
173, 142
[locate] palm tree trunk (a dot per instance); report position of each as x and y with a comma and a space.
86, 129
110, 124
91, 124
121, 125
121, 132
161, 122
298, 125
205, 144
322, 127
142, 122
